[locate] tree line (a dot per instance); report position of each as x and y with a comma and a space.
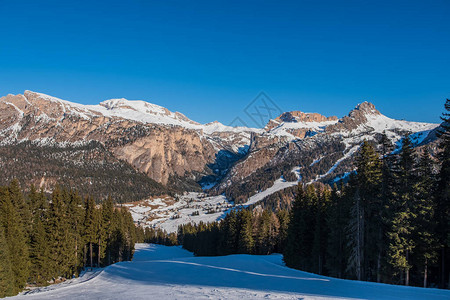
389, 223
242, 231
48, 239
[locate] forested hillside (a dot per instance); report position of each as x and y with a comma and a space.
45, 240
90, 167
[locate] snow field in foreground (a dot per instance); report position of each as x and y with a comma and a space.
160, 272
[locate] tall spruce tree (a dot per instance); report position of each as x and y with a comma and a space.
355, 231
245, 240
266, 232
423, 223
76, 220
400, 235
107, 215
90, 236
443, 199
21, 206
15, 236
318, 250
364, 237
337, 219
59, 235
7, 287
100, 236
294, 252
283, 219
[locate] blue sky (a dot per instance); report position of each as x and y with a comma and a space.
209, 59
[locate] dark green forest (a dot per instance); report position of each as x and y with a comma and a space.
91, 168
49, 239
390, 222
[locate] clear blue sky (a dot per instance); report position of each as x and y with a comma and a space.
209, 59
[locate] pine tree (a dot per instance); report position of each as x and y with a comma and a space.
76, 220
230, 229
442, 199
38, 241
16, 240
387, 188
320, 230
369, 177
129, 233
118, 238
89, 234
40, 252
100, 236
283, 219
266, 232
337, 219
365, 240
59, 235
245, 236
300, 236
424, 209
21, 206
7, 287
107, 215
355, 231
401, 227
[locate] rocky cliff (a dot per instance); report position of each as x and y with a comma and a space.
181, 154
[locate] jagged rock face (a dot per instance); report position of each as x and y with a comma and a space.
164, 145
167, 152
355, 118
325, 154
300, 124
298, 116
159, 151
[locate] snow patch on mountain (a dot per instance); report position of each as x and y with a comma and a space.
381, 123
140, 111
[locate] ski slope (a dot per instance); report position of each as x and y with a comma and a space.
159, 272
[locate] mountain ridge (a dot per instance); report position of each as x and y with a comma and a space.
173, 150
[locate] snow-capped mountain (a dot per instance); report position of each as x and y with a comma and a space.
178, 152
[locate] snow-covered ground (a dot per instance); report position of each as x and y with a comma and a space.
168, 213
160, 272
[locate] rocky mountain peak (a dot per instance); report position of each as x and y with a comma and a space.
298, 117
360, 115
367, 108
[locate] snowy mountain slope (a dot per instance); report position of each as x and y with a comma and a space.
324, 147
139, 111
167, 146
160, 272
175, 151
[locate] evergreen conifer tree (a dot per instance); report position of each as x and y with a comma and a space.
442, 199
107, 215
16, 240
89, 234
424, 209
400, 235
246, 241
59, 235
6, 276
